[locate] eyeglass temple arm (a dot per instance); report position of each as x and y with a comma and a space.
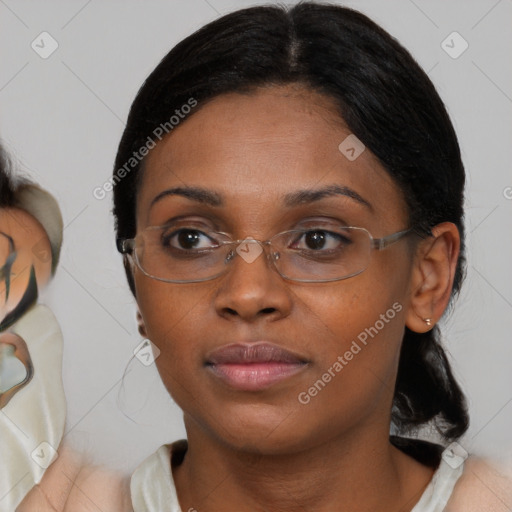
381, 243
126, 245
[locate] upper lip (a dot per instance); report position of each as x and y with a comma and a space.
253, 352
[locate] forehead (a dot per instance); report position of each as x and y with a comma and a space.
257, 148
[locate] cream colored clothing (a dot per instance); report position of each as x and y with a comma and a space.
32, 423
152, 487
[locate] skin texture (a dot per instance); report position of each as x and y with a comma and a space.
253, 450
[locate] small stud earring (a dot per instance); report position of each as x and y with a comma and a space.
428, 321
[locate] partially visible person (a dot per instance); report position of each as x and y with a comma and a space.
309, 196
38, 471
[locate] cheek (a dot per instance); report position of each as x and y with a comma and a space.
166, 309
360, 324
347, 308
356, 360
174, 318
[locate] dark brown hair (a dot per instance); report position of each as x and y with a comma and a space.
385, 98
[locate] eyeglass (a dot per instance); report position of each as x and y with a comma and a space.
180, 252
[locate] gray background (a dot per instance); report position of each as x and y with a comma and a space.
62, 118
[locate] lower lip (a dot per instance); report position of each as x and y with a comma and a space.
255, 376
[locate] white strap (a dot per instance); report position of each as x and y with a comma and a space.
440, 488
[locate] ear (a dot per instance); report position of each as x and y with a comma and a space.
141, 325
432, 277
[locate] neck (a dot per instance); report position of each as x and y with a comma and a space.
333, 475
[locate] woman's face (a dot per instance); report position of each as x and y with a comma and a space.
253, 150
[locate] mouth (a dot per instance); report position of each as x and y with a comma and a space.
255, 366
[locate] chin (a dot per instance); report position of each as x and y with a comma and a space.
258, 427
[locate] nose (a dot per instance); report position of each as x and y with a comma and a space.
252, 288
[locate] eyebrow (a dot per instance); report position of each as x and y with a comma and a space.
292, 199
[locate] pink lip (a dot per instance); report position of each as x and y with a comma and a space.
254, 366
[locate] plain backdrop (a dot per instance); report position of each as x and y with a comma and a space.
62, 118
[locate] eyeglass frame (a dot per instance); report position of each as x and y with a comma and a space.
127, 246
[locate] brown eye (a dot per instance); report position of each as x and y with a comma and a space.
186, 239
317, 240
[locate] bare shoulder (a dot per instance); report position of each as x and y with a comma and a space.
71, 484
485, 486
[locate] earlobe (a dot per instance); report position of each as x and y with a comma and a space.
432, 277
141, 325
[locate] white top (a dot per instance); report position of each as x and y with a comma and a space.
32, 423
153, 490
